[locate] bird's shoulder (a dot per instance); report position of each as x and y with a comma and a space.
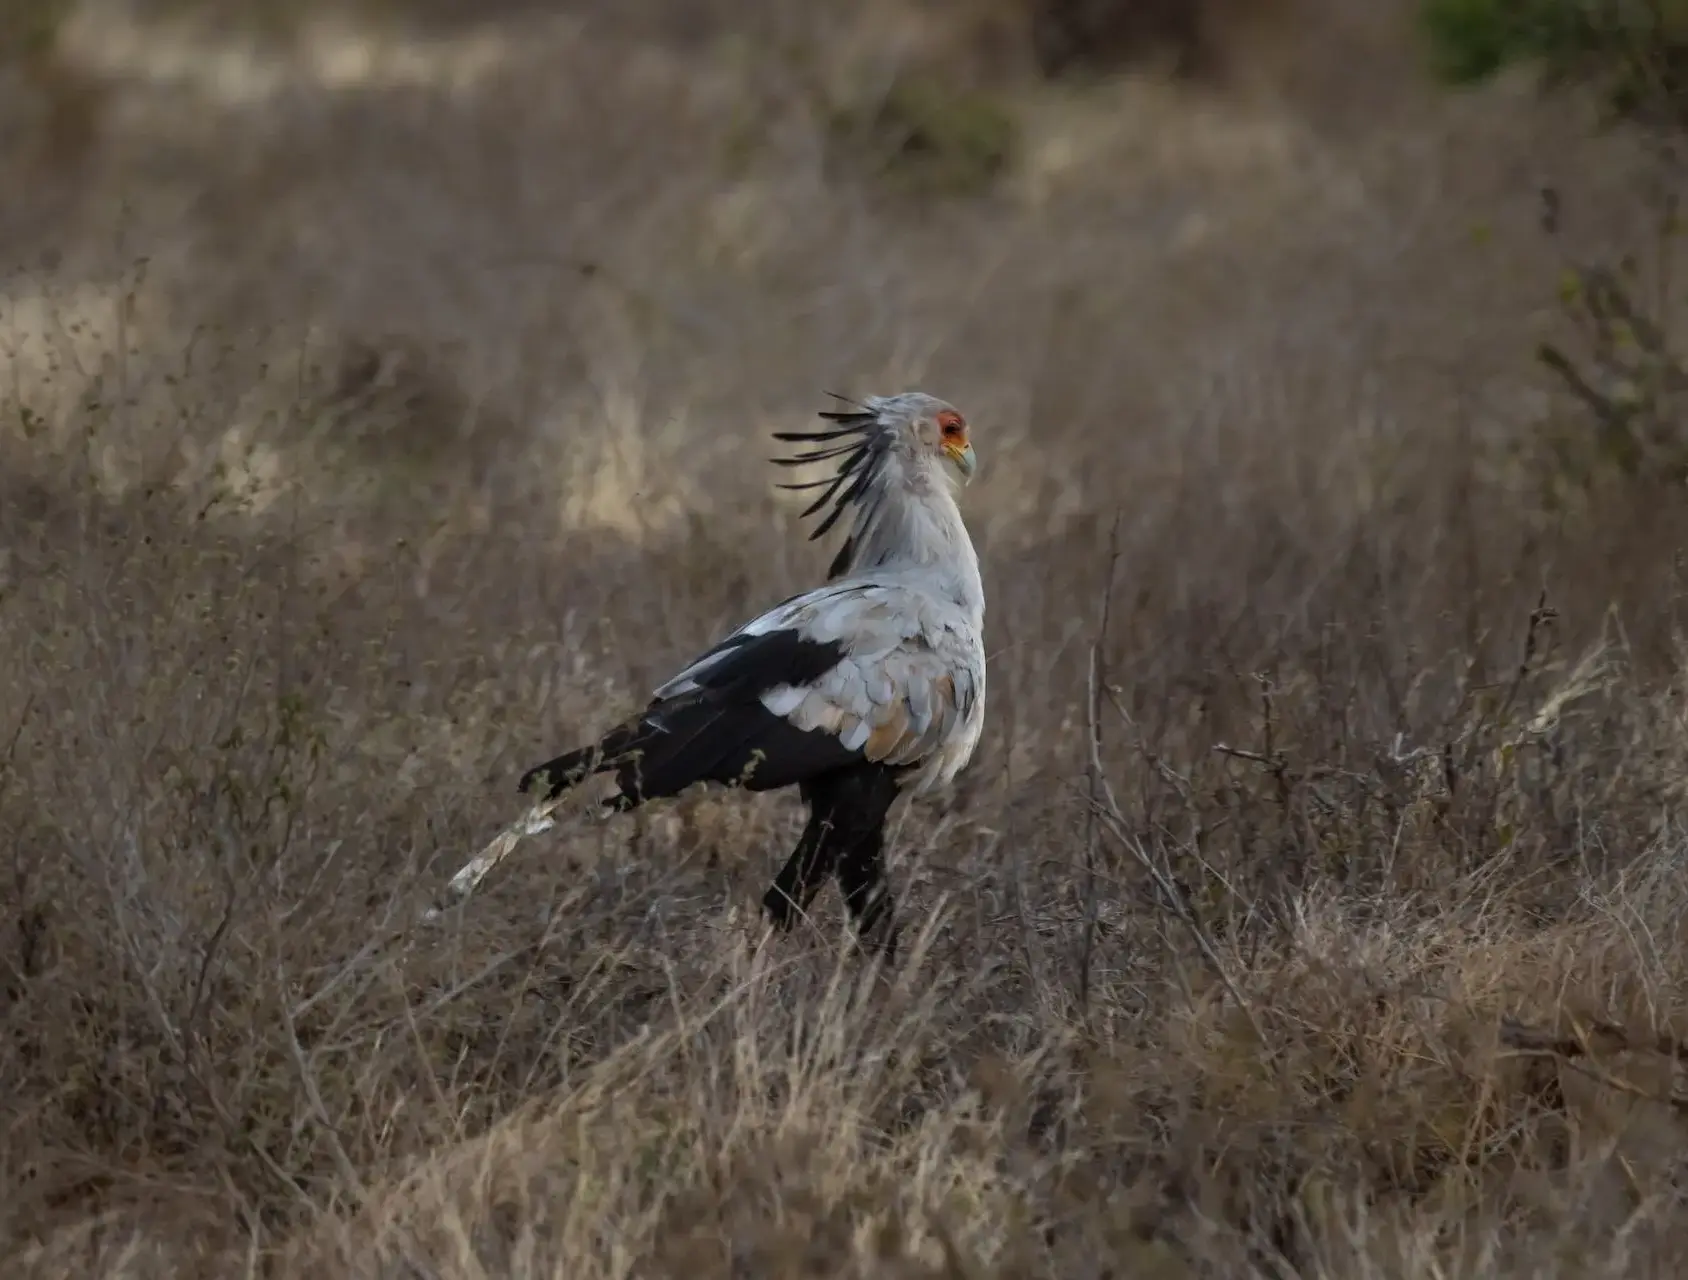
843, 627
868, 611
898, 702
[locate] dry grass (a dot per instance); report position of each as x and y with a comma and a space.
382, 417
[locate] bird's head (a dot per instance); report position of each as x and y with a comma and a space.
920, 427
919, 431
882, 444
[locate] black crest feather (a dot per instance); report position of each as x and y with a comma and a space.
862, 442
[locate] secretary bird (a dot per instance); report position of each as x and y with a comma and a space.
856, 691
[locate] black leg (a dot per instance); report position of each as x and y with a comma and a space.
809, 865
845, 837
867, 894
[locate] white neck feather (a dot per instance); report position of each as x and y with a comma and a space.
909, 520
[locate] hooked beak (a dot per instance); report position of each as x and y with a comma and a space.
966, 461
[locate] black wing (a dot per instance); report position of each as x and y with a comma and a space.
714, 728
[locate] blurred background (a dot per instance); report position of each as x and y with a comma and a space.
384, 393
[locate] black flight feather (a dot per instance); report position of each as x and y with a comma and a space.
718, 732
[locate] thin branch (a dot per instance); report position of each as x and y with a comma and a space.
1107, 809
1595, 1039
313, 1095
1093, 715
7, 771
1578, 1051
1242, 753
17, 733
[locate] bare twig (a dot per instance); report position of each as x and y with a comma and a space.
1579, 1051
1595, 1039
17, 733
1540, 617
1268, 757
237, 1132
1242, 753
1108, 811
313, 1096
1093, 715
7, 769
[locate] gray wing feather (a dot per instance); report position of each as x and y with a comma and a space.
906, 689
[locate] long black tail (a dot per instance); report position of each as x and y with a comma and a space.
671, 746
617, 748
557, 776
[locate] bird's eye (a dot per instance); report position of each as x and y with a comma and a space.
951, 423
